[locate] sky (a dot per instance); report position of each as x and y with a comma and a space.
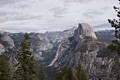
54, 15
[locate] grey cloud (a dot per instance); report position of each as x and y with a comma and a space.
5, 2
91, 13
12, 19
15, 16
105, 8
25, 28
4, 13
6, 16
81, 1
14, 4
26, 17
103, 25
20, 6
32, 1
18, 27
87, 15
59, 12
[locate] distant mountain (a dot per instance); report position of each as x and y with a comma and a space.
70, 47
105, 36
58, 36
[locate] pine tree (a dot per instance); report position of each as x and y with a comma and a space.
41, 73
115, 46
5, 70
80, 73
65, 74
59, 75
25, 67
69, 74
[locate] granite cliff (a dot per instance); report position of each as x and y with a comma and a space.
83, 47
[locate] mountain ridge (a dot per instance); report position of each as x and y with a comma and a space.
69, 47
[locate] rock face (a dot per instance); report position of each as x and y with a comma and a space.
40, 44
7, 47
83, 47
58, 36
6, 42
74, 42
43, 45
9, 41
2, 49
39, 41
69, 47
84, 30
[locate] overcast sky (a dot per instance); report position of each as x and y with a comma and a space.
52, 15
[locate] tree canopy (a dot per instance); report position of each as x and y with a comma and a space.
115, 23
25, 69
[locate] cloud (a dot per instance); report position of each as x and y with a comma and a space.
25, 17
43, 15
80, 1
8, 2
58, 12
91, 13
15, 16
103, 26
4, 2
105, 8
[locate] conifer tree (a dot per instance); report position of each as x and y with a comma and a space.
115, 46
80, 73
25, 69
64, 74
41, 73
59, 75
5, 70
69, 74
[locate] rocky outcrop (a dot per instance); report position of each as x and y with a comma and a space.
40, 44
7, 47
84, 30
40, 40
2, 49
7, 42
